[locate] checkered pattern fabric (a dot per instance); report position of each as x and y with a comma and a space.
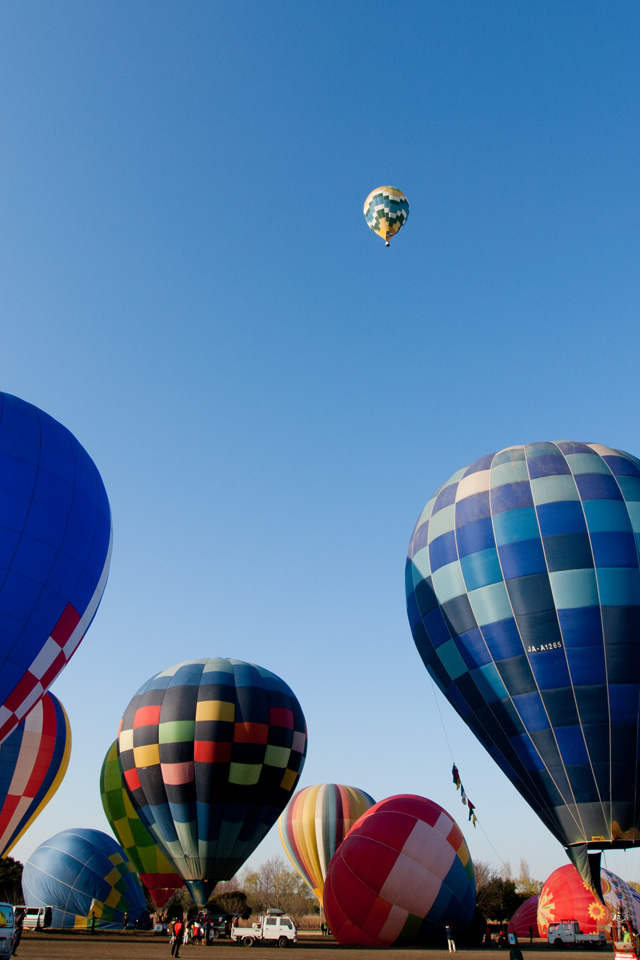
211, 751
154, 869
55, 548
81, 871
386, 210
402, 873
523, 595
33, 761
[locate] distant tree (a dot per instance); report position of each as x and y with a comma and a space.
482, 873
275, 884
498, 899
11, 880
525, 885
229, 899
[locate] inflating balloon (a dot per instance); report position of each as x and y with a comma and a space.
82, 872
523, 594
314, 825
386, 210
524, 922
211, 751
564, 895
33, 761
153, 867
54, 552
400, 876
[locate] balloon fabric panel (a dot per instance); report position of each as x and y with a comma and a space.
33, 761
314, 824
211, 751
55, 547
523, 594
153, 867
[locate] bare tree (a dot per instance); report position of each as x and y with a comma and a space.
275, 884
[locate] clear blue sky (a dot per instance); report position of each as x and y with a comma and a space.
187, 282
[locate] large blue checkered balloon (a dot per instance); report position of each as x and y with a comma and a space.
55, 546
523, 594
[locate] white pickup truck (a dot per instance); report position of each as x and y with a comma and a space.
566, 933
272, 926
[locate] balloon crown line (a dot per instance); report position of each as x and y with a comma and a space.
463, 795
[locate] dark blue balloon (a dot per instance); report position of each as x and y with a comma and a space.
55, 547
523, 594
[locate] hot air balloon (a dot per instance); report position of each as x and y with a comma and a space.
211, 751
314, 825
525, 918
33, 761
565, 895
54, 552
153, 867
80, 872
523, 595
400, 876
386, 211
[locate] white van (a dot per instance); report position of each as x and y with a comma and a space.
35, 918
7, 930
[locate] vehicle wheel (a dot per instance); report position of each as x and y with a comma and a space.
248, 942
558, 943
215, 934
283, 942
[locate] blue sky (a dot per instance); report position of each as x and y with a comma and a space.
187, 282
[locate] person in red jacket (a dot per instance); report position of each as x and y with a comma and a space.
176, 938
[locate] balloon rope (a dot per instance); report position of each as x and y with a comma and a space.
453, 763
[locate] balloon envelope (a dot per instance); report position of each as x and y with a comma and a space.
33, 761
54, 552
314, 825
211, 751
151, 864
523, 594
526, 918
402, 873
386, 210
564, 896
83, 871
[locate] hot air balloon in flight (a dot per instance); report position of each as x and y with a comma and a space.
314, 825
153, 867
33, 761
211, 751
402, 875
386, 211
54, 552
523, 595
80, 872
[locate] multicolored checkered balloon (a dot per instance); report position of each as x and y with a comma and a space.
386, 210
523, 594
211, 751
154, 869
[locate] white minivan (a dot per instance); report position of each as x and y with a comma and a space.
7, 930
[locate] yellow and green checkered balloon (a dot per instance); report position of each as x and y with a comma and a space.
386, 210
153, 867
